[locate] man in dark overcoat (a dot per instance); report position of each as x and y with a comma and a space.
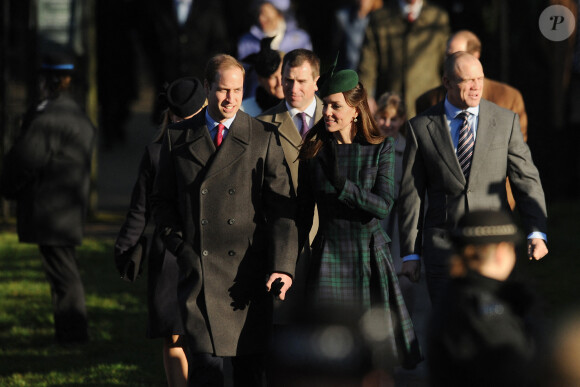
47, 171
223, 197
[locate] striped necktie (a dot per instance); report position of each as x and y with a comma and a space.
465, 144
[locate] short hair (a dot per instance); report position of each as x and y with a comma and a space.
392, 100
298, 56
473, 44
220, 62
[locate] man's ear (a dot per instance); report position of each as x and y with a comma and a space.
445, 82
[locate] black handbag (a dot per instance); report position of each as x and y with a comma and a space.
131, 262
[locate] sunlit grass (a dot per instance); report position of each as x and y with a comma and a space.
118, 352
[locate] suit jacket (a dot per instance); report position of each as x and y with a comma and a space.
48, 172
228, 216
290, 139
404, 57
431, 167
499, 93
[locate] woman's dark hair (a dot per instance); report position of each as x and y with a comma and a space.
365, 128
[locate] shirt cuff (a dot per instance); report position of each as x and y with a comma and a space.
537, 234
411, 257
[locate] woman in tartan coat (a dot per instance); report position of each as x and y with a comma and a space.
347, 171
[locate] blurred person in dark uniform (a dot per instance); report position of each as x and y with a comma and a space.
485, 333
47, 172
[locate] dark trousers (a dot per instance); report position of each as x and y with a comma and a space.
68, 294
208, 371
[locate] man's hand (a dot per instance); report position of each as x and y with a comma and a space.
286, 282
537, 249
412, 270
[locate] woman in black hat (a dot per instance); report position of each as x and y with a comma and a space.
346, 169
183, 98
267, 65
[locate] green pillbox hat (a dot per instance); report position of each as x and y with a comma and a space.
341, 81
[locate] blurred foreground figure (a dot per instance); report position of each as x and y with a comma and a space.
483, 334
47, 172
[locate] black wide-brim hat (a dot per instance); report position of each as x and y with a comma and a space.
482, 227
185, 96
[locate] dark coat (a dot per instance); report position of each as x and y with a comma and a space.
162, 272
229, 218
48, 172
351, 248
481, 336
176, 51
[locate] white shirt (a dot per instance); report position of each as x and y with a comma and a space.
310, 111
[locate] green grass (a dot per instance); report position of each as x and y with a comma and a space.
118, 353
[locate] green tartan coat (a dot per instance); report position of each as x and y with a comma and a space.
351, 247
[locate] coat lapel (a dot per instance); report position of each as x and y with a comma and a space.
234, 145
439, 131
199, 141
485, 129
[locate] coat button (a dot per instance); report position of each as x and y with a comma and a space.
204, 222
232, 191
231, 253
204, 191
205, 253
231, 221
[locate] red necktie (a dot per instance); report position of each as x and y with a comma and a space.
220, 135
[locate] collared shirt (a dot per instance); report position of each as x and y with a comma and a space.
413, 9
213, 124
182, 8
310, 111
454, 122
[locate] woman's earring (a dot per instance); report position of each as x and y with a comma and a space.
355, 119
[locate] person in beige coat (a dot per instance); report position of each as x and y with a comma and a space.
300, 72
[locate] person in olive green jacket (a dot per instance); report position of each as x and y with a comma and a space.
404, 50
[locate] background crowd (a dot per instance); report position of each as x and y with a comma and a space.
394, 46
